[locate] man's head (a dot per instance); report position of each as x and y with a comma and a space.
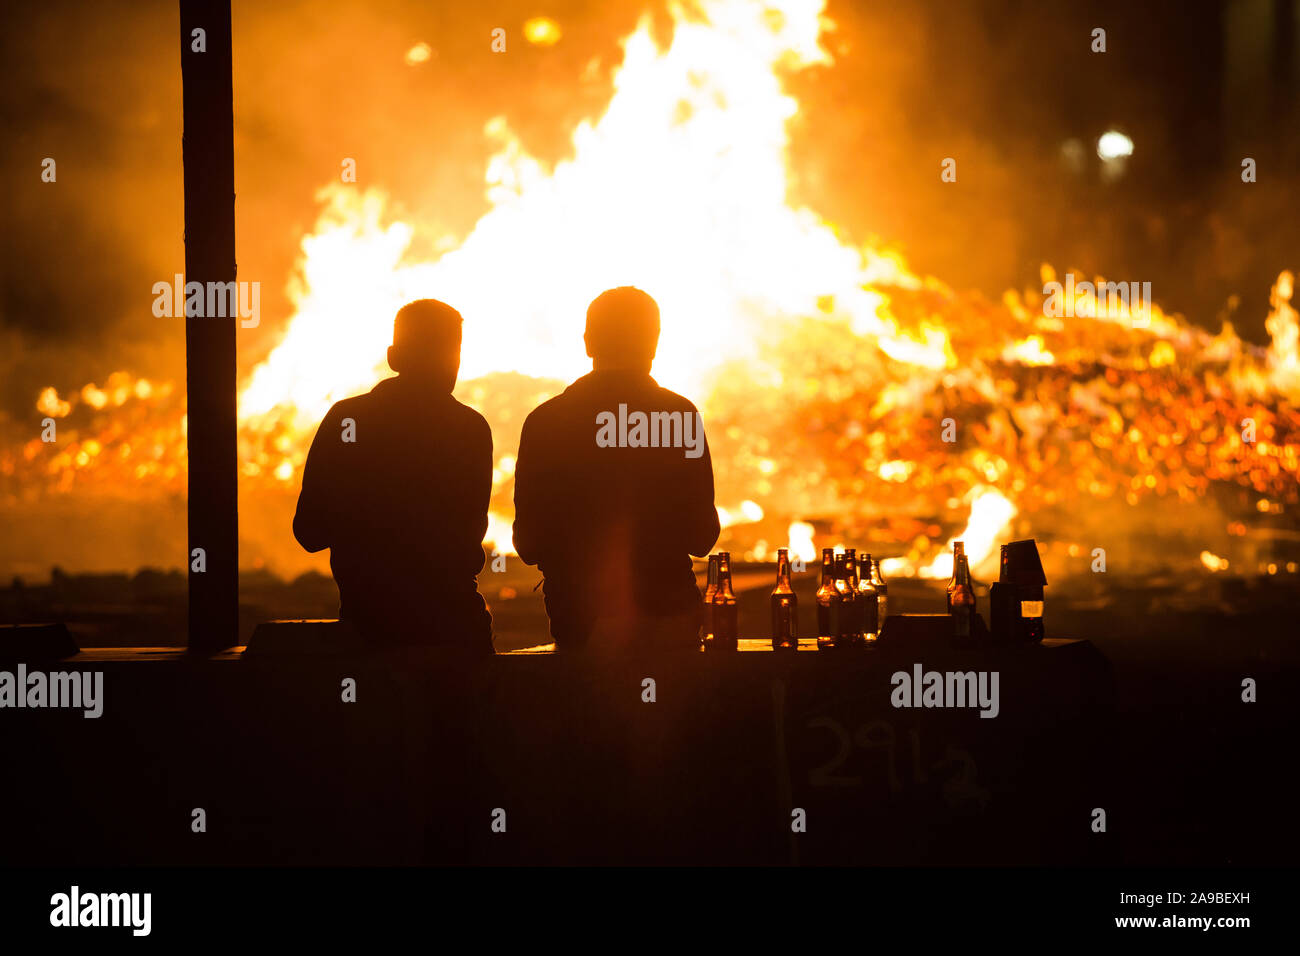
426, 343
622, 329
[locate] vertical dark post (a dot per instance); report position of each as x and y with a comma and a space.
1283, 59
209, 158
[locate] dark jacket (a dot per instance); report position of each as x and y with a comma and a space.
403, 510
611, 528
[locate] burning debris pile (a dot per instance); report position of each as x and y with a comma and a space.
1060, 419
844, 395
127, 434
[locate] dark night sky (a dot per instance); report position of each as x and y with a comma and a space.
998, 84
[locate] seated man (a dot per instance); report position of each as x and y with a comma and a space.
397, 485
614, 492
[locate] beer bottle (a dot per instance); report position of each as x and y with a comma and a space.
828, 604
725, 623
882, 596
868, 601
851, 609
958, 551
785, 606
706, 633
961, 601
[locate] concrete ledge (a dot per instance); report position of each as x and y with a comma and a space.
317, 640
36, 642
304, 639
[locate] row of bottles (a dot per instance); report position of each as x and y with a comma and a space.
852, 603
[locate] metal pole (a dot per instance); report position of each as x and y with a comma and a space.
209, 158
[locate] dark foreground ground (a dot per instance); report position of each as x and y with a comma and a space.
1145, 721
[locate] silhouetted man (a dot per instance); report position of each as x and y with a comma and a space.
614, 492
396, 485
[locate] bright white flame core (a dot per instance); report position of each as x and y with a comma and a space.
990, 514
801, 544
680, 189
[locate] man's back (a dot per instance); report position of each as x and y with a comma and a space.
403, 510
612, 528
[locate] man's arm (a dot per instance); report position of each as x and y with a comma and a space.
316, 502
530, 500
480, 493
700, 524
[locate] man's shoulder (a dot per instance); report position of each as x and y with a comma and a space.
372, 398
346, 407
671, 401
384, 400
469, 416
460, 418
585, 396
556, 407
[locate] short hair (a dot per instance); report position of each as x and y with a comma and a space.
427, 325
623, 324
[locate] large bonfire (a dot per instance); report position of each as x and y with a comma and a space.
847, 399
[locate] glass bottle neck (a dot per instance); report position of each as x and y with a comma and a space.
961, 575
783, 569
